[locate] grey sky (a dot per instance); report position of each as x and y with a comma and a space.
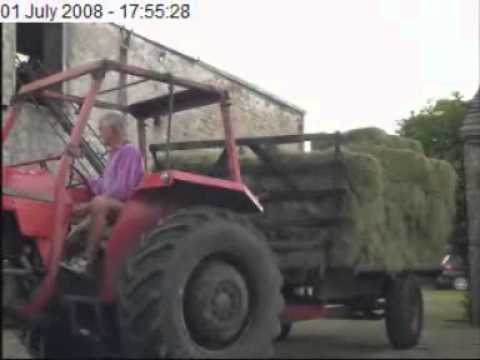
348, 63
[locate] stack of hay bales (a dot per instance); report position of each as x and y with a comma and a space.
406, 221
399, 204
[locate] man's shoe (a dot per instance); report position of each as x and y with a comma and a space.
77, 265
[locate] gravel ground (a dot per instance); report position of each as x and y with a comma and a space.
445, 336
367, 339
11, 346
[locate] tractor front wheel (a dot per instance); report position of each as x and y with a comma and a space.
204, 283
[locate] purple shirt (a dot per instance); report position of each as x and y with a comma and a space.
123, 172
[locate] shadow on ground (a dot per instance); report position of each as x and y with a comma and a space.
445, 335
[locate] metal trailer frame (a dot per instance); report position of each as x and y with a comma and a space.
337, 302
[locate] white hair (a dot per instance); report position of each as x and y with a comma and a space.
115, 121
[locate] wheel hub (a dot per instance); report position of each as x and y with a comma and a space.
227, 301
216, 304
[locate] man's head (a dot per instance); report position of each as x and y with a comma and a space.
112, 129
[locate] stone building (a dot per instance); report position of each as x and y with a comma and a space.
61, 46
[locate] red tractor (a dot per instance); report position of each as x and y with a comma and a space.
184, 272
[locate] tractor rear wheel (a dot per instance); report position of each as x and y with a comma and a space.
204, 283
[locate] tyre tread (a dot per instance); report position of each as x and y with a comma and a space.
135, 296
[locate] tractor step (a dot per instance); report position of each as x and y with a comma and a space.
86, 315
93, 319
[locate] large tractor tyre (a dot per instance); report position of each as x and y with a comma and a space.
285, 331
404, 312
203, 284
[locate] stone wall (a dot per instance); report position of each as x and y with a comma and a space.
8, 62
32, 137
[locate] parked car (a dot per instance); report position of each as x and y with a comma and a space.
454, 273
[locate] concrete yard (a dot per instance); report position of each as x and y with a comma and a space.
445, 335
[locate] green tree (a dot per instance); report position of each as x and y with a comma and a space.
437, 127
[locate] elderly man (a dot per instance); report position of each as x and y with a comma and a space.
123, 172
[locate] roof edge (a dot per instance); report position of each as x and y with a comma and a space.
222, 73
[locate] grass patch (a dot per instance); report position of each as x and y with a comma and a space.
444, 305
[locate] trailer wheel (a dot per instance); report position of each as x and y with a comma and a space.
404, 312
204, 283
285, 331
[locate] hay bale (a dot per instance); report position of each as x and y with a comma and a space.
415, 211
366, 172
401, 203
377, 137
198, 161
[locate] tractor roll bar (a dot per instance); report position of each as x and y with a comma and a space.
197, 94
184, 100
49, 94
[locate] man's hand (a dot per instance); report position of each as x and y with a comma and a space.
80, 211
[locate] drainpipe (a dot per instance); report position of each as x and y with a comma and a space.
470, 133
123, 59
66, 55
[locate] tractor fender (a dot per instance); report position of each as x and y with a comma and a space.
204, 190
158, 196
